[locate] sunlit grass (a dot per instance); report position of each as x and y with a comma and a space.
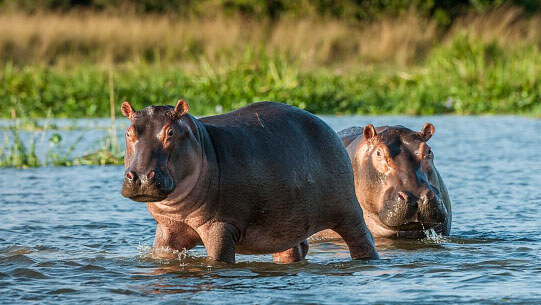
465, 76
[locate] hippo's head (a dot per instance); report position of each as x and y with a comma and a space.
397, 179
160, 147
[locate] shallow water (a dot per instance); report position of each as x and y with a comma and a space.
66, 236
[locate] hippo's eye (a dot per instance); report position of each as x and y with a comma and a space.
131, 135
170, 133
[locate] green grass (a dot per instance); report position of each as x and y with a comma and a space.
14, 153
463, 77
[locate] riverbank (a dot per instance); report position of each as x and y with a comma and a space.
485, 62
465, 76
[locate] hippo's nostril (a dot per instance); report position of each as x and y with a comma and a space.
131, 176
428, 195
403, 196
150, 175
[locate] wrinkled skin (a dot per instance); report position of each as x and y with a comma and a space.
257, 180
399, 188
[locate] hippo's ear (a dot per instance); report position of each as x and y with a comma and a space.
181, 108
127, 109
427, 132
369, 131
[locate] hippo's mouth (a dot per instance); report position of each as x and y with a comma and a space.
146, 194
147, 198
416, 229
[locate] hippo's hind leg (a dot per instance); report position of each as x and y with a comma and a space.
291, 255
359, 240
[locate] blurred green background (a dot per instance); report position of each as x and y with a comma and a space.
70, 58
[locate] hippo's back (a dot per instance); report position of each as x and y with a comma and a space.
250, 117
271, 137
271, 125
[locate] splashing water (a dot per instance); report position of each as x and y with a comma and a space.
433, 236
161, 253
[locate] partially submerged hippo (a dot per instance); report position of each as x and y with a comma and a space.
257, 180
401, 192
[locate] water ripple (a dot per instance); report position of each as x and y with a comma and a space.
67, 236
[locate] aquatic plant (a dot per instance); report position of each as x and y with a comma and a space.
14, 153
108, 153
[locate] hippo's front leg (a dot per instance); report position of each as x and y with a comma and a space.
220, 240
291, 255
176, 236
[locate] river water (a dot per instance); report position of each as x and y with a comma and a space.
67, 236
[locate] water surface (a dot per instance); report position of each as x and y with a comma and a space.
67, 236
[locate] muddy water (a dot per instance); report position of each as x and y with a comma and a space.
67, 236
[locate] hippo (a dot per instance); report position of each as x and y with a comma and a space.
400, 190
258, 180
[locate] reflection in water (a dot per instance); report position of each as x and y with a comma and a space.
67, 236
407, 244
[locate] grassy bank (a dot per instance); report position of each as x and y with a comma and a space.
465, 76
484, 62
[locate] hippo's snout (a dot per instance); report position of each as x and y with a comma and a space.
405, 212
150, 187
432, 210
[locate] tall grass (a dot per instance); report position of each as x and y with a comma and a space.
464, 76
14, 153
99, 38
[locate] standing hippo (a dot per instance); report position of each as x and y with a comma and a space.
257, 180
400, 191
